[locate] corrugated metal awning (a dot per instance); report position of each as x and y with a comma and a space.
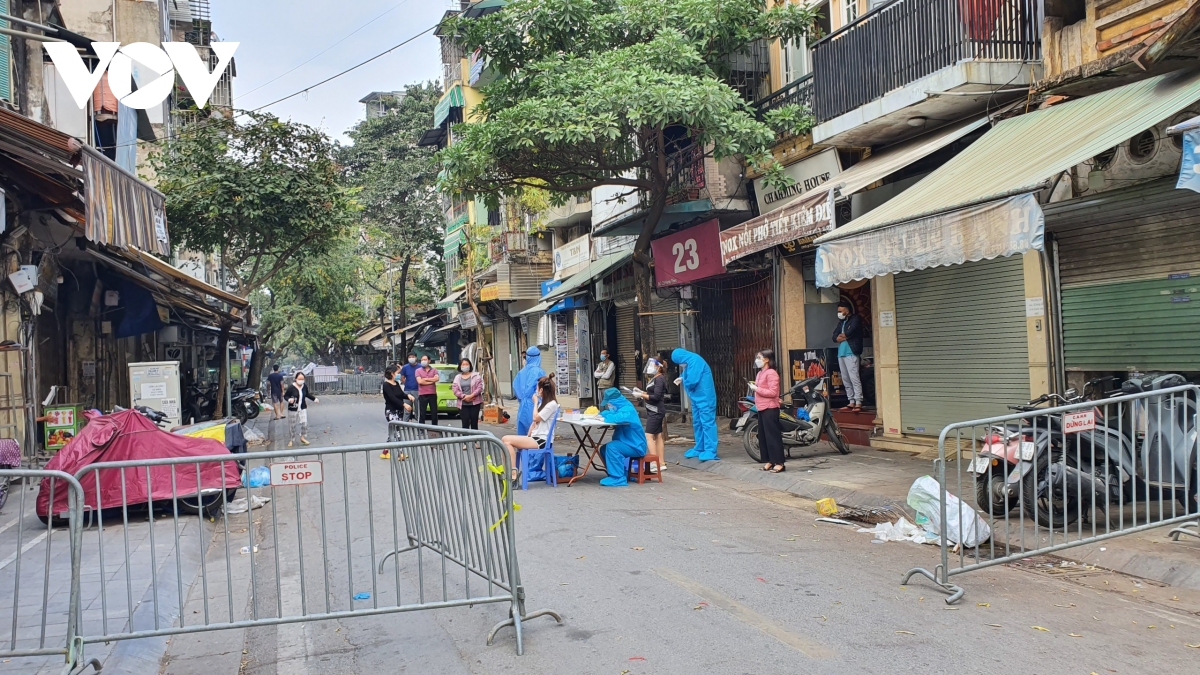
367, 336
122, 210
890, 160
1020, 154
451, 99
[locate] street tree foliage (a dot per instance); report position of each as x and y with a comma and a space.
603, 92
401, 217
314, 309
264, 194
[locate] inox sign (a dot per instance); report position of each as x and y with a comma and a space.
172, 58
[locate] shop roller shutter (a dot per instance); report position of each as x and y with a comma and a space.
1129, 275
666, 324
962, 343
626, 368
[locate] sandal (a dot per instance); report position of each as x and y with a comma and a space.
779, 468
768, 467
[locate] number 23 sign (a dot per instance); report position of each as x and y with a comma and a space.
687, 256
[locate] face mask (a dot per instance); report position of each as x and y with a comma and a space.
841, 315
651, 369
299, 383
604, 357
412, 360
465, 369
424, 364
758, 363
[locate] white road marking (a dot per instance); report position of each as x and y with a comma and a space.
24, 549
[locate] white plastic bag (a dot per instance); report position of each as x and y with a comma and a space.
901, 530
963, 525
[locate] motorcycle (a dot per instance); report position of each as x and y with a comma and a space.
800, 430
246, 404
1145, 449
201, 402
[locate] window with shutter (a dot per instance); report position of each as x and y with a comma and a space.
5, 58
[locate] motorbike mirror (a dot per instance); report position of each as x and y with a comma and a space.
1071, 393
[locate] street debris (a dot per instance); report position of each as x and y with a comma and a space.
362, 596
246, 549
1044, 630
639, 548
905, 632
827, 506
239, 505
901, 530
983, 604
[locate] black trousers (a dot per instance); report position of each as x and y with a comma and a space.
427, 408
770, 436
470, 416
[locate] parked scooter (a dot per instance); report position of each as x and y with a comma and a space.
800, 430
201, 403
1145, 449
246, 404
10, 458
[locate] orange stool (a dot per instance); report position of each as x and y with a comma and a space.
642, 473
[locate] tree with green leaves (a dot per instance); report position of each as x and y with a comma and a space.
262, 193
604, 92
402, 217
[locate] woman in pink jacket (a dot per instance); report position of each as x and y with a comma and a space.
468, 389
766, 400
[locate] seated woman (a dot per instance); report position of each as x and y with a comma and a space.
628, 439
545, 410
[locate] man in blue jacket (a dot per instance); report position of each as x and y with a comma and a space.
628, 439
525, 386
697, 380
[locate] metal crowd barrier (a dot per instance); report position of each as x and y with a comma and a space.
47, 627
1055, 478
315, 551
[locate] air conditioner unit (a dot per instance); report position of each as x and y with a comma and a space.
168, 335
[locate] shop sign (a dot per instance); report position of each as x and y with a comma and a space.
489, 292
809, 216
807, 175
574, 252
687, 256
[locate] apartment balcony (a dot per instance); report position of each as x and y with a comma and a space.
913, 65
703, 188
519, 247
578, 209
798, 93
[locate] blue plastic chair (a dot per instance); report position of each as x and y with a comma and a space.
543, 457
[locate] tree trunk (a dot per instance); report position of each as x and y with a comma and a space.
643, 277
403, 305
223, 373
257, 362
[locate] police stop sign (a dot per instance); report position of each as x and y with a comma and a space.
295, 473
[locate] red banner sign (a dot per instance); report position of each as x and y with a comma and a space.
807, 217
687, 256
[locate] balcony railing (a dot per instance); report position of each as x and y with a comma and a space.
905, 40
687, 167
798, 93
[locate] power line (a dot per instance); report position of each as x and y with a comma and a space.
320, 53
350, 69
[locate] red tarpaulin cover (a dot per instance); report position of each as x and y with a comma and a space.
128, 435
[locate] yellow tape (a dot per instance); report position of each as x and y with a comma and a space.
499, 471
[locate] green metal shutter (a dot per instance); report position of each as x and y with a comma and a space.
626, 368
1129, 272
5, 58
962, 343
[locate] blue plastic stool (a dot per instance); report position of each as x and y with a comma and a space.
543, 458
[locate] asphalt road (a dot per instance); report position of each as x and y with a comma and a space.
699, 574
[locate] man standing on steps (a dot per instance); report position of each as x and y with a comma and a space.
849, 336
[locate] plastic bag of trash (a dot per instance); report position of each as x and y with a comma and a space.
253, 436
963, 525
259, 476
